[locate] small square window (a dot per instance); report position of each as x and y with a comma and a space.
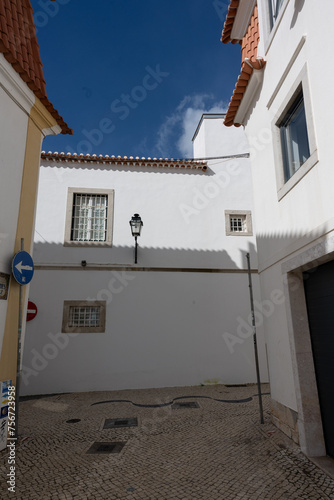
238, 223
84, 316
89, 217
294, 137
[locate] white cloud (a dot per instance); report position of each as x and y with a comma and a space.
179, 128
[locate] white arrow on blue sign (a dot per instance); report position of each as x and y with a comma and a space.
23, 268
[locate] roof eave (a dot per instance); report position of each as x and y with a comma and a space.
19, 46
251, 89
125, 160
237, 20
246, 87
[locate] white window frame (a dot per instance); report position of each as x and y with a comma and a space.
68, 221
272, 7
300, 83
290, 147
248, 226
68, 304
268, 30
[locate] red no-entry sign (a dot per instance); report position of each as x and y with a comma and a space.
31, 311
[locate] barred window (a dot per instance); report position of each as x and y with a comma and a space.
89, 217
84, 316
238, 223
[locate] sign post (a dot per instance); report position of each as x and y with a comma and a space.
23, 270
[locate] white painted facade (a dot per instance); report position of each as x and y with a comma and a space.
181, 315
294, 219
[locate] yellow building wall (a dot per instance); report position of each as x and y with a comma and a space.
40, 123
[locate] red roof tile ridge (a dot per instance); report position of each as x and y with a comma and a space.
247, 70
229, 22
137, 161
18, 43
250, 62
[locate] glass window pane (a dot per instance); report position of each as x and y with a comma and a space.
89, 218
294, 137
84, 316
274, 9
237, 224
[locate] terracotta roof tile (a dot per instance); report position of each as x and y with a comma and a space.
231, 13
18, 43
125, 160
249, 62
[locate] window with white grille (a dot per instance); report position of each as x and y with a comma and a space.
238, 223
89, 217
84, 316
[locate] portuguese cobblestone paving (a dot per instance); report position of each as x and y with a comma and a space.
218, 451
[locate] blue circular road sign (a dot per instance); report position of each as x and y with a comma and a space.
23, 268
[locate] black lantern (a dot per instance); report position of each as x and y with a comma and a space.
136, 224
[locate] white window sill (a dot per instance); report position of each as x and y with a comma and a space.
239, 233
301, 172
102, 244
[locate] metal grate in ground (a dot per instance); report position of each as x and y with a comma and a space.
105, 447
117, 423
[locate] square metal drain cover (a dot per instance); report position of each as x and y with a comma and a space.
185, 404
105, 447
117, 423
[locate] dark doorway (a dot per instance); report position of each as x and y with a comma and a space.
319, 292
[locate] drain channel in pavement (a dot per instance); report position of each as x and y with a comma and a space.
117, 423
169, 403
105, 447
182, 405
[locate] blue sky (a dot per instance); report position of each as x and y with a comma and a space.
132, 78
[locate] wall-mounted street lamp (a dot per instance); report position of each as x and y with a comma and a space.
136, 224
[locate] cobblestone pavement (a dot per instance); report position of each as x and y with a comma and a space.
218, 451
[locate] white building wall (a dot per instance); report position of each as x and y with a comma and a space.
182, 320
180, 211
297, 50
213, 139
280, 223
162, 329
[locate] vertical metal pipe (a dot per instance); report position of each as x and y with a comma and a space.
136, 245
254, 339
18, 365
